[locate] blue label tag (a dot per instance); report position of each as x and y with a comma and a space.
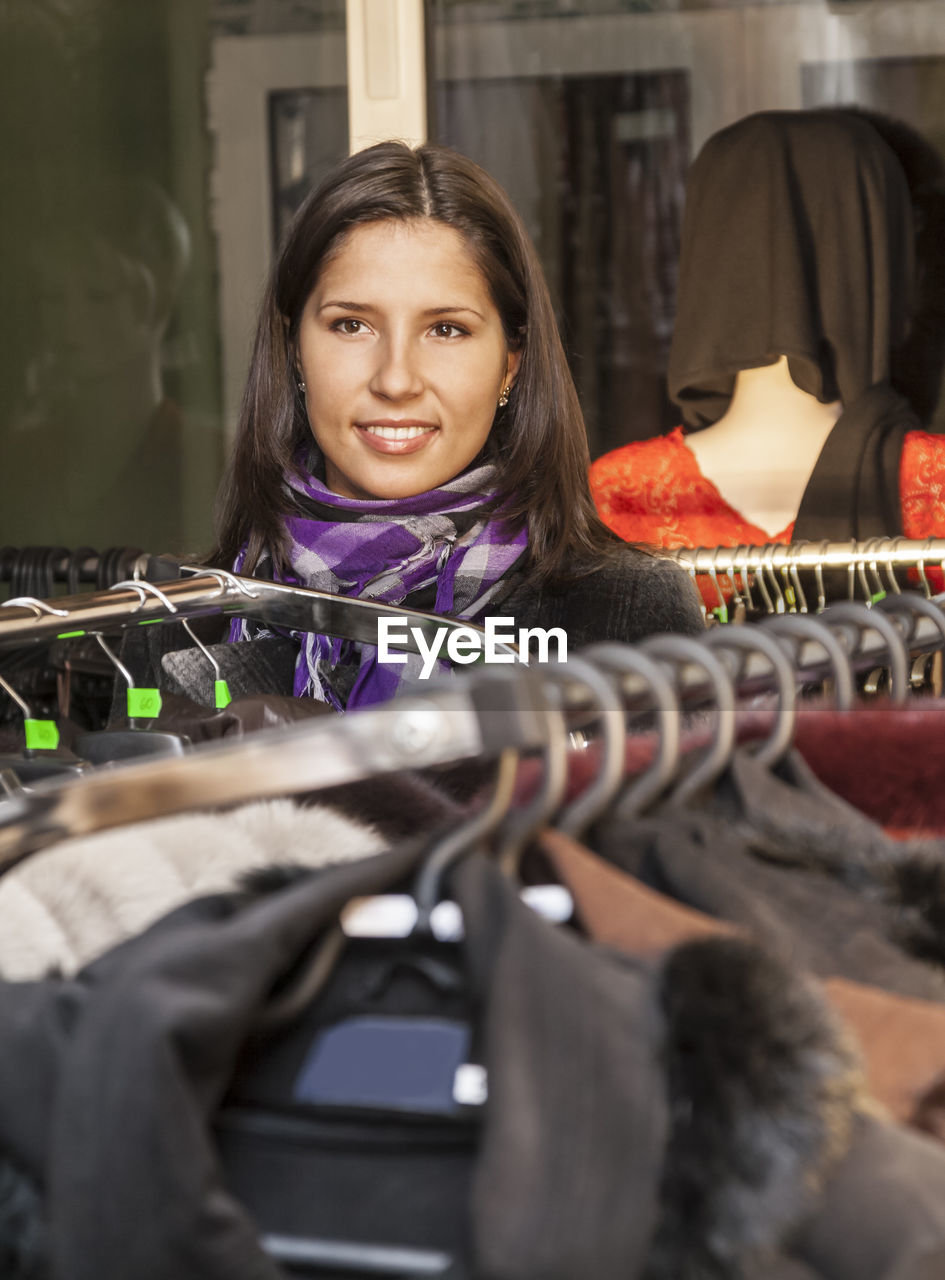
393, 1064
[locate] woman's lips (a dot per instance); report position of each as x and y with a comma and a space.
400, 438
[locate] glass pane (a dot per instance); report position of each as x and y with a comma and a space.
592, 135
590, 114
277, 93
140, 206
109, 376
308, 131
617, 147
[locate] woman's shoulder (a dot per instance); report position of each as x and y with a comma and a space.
630, 594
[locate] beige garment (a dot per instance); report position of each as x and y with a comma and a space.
64, 906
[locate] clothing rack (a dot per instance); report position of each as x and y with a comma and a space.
204, 593
870, 565
456, 723
35, 570
478, 716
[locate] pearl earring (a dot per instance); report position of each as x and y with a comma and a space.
504, 397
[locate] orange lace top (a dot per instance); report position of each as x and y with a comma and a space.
652, 491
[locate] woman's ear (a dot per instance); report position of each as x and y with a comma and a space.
513, 361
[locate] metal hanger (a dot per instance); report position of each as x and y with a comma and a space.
912, 606
761, 583
41, 737
893, 583
767, 566
221, 691
721, 610
39, 606
796, 626
225, 579
800, 595
677, 651
450, 848
575, 680
522, 822
920, 569
756, 640
873, 591
909, 604
743, 550
645, 789
864, 618
611, 724
109, 746
819, 576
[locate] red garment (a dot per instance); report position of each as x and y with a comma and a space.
652, 491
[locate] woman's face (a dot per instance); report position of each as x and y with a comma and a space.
403, 356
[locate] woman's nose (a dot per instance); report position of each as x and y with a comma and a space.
397, 372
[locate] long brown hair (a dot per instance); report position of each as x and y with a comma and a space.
538, 441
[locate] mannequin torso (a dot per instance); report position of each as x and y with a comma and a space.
761, 452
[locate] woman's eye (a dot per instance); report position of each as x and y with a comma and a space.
447, 330
349, 325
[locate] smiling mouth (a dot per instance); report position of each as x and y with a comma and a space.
397, 433
397, 440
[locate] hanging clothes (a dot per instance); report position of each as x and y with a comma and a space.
886, 762
902, 1039
596, 1154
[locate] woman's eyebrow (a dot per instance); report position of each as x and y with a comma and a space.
346, 306
341, 304
451, 311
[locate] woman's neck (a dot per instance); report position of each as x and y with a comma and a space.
761, 452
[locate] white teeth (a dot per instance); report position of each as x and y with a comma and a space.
398, 433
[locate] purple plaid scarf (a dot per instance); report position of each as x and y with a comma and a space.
388, 550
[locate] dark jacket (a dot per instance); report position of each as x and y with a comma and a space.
639, 1126
633, 596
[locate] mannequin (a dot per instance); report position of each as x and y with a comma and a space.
761, 452
799, 354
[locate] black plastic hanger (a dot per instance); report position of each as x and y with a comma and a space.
111, 746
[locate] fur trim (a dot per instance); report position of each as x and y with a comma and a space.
66, 905
919, 890
762, 1085
399, 805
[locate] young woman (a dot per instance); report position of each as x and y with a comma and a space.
411, 434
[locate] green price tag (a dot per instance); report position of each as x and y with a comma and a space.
721, 612
877, 596
221, 694
69, 635
143, 704
41, 735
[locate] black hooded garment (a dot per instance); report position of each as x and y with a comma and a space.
798, 241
